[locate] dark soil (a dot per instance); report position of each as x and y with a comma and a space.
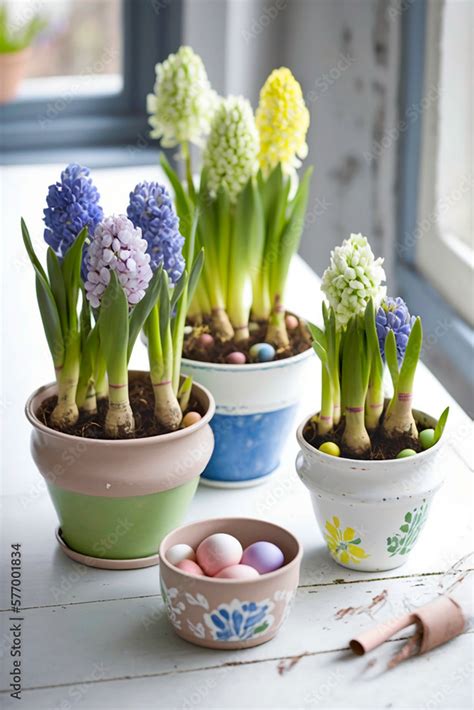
300, 340
383, 449
141, 401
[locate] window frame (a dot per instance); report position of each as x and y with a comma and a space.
448, 339
152, 29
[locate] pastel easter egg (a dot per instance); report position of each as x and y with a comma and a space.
191, 418
405, 453
262, 352
236, 358
178, 553
218, 551
188, 329
190, 567
238, 572
263, 556
206, 341
330, 448
427, 438
291, 322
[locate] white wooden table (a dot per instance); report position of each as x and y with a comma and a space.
99, 639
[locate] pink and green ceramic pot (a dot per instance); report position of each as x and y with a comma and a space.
370, 513
116, 500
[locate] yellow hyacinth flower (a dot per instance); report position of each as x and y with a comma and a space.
282, 121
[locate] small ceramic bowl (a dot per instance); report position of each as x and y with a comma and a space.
230, 613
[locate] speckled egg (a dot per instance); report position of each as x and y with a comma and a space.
178, 553
236, 358
262, 352
238, 572
191, 418
190, 567
217, 552
263, 556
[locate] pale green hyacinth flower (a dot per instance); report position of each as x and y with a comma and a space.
353, 277
183, 102
232, 147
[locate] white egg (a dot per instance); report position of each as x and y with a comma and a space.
178, 553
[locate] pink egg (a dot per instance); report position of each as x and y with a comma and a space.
178, 553
218, 551
236, 358
237, 572
292, 322
263, 556
206, 340
190, 567
191, 418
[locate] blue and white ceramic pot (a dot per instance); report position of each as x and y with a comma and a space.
255, 411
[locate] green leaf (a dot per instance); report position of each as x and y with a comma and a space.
179, 289
411, 357
114, 330
440, 426
51, 321
142, 310
183, 203
408, 517
58, 288
196, 270
291, 235
30, 251
391, 358
404, 528
71, 268
184, 392
164, 306
317, 334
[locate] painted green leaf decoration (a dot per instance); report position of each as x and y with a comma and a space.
402, 542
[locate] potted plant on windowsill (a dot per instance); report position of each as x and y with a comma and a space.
15, 52
251, 206
368, 462
121, 452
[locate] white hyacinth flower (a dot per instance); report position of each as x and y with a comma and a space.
232, 147
183, 103
353, 277
117, 246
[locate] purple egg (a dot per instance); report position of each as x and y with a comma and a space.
263, 556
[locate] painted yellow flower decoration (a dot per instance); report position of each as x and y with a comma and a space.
344, 545
282, 122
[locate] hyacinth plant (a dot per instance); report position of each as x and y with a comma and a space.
251, 207
363, 331
130, 273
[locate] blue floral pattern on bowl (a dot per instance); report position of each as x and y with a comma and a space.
240, 620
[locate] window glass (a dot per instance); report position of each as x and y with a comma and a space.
81, 39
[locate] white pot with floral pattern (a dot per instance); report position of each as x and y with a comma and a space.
370, 512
